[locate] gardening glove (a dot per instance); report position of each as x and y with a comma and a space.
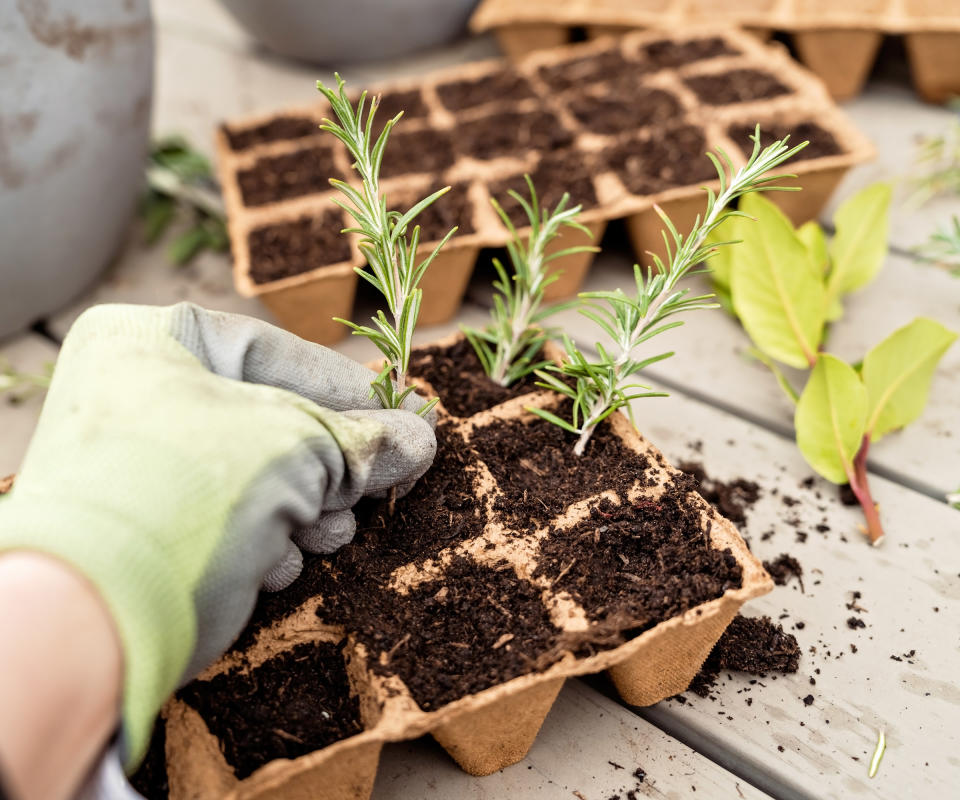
177, 452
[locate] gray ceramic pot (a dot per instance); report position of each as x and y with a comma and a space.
74, 131
328, 31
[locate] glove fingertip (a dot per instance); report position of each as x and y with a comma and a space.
285, 572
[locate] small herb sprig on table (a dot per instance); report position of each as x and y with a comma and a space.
937, 166
943, 247
18, 386
600, 387
391, 253
516, 334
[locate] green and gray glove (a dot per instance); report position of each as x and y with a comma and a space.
177, 453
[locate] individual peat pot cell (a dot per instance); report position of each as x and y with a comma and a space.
455, 373
610, 115
639, 563
668, 54
409, 101
454, 209
736, 86
278, 129
503, 86
414, 152
283, 249
275, 178
666, 159
295, 703
822, 143
538, 475
150, 779
586, 71
511, 133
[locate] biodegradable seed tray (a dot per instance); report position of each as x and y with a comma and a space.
620, 124
485, 730
838, 41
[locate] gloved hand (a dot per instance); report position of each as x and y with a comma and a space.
177, 451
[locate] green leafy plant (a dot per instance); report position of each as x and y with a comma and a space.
943, 247
600, 386
390, 250
785, 286
19, 386
180, 181
508, 346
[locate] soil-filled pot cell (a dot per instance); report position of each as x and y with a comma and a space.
290, 248
509, 133
667, 53
410, 102
669, 158
415, 152
821, 142
639, 563
150, 779
275, 178
500, 87
736, 86
538, 474
610, 115
295, 703
582, 73
458, 378
454, 209
564, 172
276, 130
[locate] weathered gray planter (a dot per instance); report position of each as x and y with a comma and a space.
327, 31
74, 129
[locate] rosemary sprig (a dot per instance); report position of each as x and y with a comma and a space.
390, 252
508, 346
602, 386
943, 247
18, 386
937, 165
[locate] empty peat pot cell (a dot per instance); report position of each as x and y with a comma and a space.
640, 563
822, 143
564, 171
581, 73
283, 249
415, 152
736, 86
295, 703
666, 159
510, 133
277, 129
455, 373
667, 53
537, 475
275, 178
503, 86
454, 209
609, 114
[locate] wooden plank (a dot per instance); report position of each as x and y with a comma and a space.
571, 758
27, 353
902, 676
711, 361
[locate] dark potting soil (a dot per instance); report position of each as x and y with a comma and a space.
275, 178
289, 248
417, 151
821, 142
565, 171
459, 380
611, 115
510, 133
670, 158
454, 209
736, 86
150, 779
582, 73
784, 567
667, 53
639, 564
275, 130
730, 498
293, 704
504, 86
538, 475
410, 102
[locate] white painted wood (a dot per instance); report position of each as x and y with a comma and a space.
911, 592
570, 759
27, 353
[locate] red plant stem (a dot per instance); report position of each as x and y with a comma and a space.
860, 486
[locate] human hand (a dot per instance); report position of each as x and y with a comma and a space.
177, 453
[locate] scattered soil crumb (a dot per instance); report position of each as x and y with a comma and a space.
784, 567
730, 498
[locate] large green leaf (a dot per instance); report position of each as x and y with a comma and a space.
860, 244
811, 234
721, 262
777, 292
831, 418
897, 373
